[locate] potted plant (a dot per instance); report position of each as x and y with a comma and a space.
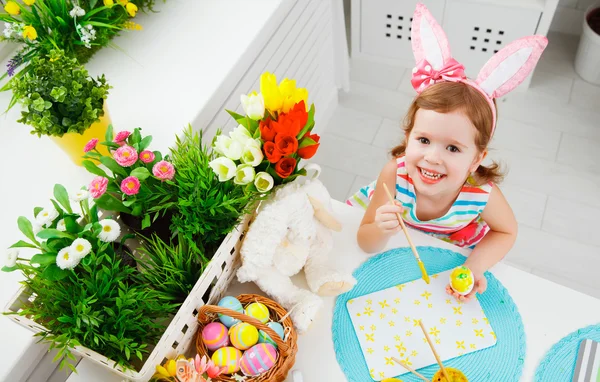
137, 182
84, 294
62, 101
587, 60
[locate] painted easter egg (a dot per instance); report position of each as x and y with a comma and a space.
258, 359
228, 357
233, 304
243, 336
461, 280
263, 337
454, 374
258, 311
214, 336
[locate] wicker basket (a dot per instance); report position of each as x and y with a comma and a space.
287, 350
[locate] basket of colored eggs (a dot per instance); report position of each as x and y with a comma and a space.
247, 335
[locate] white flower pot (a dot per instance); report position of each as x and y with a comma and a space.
587, 60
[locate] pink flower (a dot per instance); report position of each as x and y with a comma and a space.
130, 185
125, 156
200, 364
147, 156
163, 170
98, 186
214, 371
121, 136
90, 145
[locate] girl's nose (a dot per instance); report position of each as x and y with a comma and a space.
432, 155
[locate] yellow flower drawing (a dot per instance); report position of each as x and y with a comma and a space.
434, 331
475, 321
460, 345
370, 350
384, 304
388, 361
391, 324
458, 310
373, 327
386, 348
458, 323
408, 333
369, 311
370, 337
442, 320
426, 295
362, 328
478, 333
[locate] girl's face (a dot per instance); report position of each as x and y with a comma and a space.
441, 152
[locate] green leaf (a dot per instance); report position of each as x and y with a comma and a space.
235, 115
26, 228
109, 136
309, 123
109, 203
136, 137
52, 233
306, 142
36, 211
65, 319
61, 195
141, 173
43, 259
94, 213
91, 167
9, 269
145, 143
99, 24
146, 221
113, 166
23, 244
54, 273
72, 225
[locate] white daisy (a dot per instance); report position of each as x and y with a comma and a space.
11, 257
80, 248
80, 196
66, 259
110, 230
46, 216
61, 226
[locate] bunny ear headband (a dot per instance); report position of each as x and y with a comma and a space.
503, 72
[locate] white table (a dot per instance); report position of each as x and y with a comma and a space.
545, 322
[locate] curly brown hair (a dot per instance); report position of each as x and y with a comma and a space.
446, 97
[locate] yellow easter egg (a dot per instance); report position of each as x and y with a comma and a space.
243, 336
454, 374
461, 280
258, 311
228, 357
391, 380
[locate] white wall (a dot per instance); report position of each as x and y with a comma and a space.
569, 16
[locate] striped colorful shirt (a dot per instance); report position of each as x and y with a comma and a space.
462, 225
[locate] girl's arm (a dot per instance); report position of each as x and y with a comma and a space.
497, 242
379, 222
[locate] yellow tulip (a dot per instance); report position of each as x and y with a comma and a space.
109, 3
131, 9
292, 95
162, 372
12, 8
124, 2
29, 2
29, 32
270, 92
171, 367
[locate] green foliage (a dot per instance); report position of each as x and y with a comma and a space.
172, 270
207, 210
58, 95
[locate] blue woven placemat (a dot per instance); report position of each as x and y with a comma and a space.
500, 363
558, 364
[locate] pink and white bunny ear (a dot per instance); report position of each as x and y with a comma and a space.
429, 41
511, 65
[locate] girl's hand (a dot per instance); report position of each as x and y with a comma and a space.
385, 217
479, 287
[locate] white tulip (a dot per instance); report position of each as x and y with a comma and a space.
11, 257
244, 174
254, 105
252, 156
224, 168
241, 135
263, 182
253, 143
231, 148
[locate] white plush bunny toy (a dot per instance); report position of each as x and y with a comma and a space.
292, 231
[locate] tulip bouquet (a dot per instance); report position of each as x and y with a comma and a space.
139, 183
272, 137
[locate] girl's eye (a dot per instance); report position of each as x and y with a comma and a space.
424, 141
453, 149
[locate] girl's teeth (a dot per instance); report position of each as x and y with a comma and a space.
430, 175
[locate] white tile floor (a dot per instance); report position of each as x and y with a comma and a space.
548, 138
